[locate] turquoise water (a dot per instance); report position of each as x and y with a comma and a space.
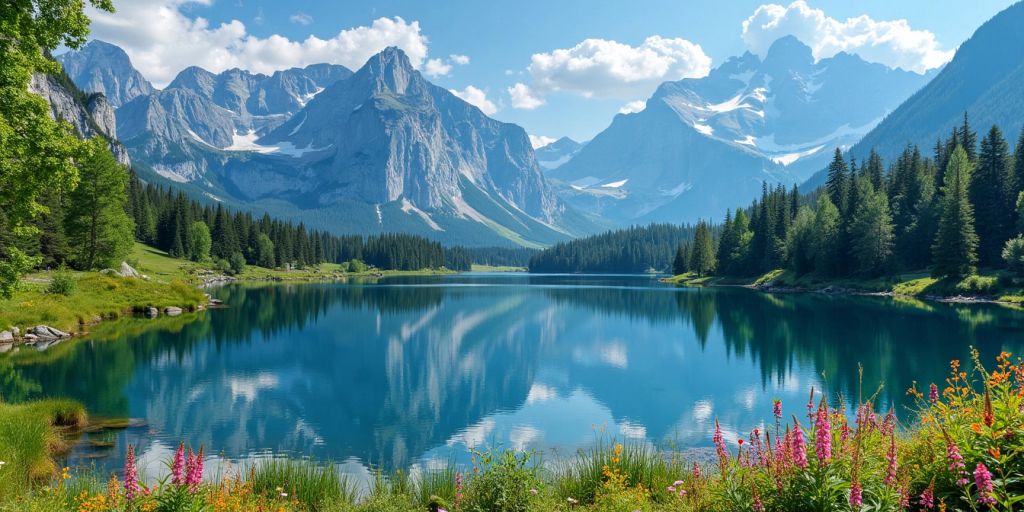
409, 372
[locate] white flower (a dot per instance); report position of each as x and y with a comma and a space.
572, 501
284, 495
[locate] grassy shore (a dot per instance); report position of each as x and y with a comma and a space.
30, 436
988, 286
171, 282
960, 451
493, 268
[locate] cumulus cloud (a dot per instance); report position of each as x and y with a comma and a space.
301, 18
633, 106
477, 98
605, 68
539, 141
523, 97
890, 42
440, 67
162, 41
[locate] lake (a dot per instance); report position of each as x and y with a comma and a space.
411, 372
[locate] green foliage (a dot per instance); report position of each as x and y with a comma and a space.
98, 228
313, 485
62, 282
1013, 254
634, 249
355, 266
871, 232
955, 247
826, 236
200, 242
503, 483
237, 263
29, 436
702, 258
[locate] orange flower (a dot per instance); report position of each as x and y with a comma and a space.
976, 427
994, 452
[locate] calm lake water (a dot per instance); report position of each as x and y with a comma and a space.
414, 371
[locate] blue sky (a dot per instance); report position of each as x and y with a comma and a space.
578, 63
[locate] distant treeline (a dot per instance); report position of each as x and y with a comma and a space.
632, 250
492, 256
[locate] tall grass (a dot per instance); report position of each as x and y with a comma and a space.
436, 486
30, 435
311, 483
582, 476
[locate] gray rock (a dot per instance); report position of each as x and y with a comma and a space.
172, 311
30, 337
6, 347
16, 331
48, 333
105, 68
6, 336
152, 312
128, 271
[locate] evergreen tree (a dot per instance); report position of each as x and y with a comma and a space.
838, 184
97, 224
968, 138
1018, 166
991, 197
826, 237
873, 168
801, 242
702, 260
955, 248
681, 263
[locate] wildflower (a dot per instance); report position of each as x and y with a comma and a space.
194, 470
719, 440
177, 468
988, 416
458, 488
890, 457
927, 499
799, 449
777, 409
856, 498
956, 462
758, 504
810, 405
131, 480
696, 471
823, 434
65, 473
933, 393
983, 480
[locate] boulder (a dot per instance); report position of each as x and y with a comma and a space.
172, 311
6, 336
152, 312
48, 333
15, 331
30, 337
128, 271
6, 347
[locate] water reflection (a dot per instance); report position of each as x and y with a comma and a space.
405, 372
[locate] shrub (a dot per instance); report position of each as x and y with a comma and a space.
237, 263
355, 266
504, 481
62, 282
1013, 254
978, 284
222, 265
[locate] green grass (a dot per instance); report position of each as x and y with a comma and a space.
30, 436
496, 268
312, 484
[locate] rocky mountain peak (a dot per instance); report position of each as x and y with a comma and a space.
105, 68
788, 53
390, 69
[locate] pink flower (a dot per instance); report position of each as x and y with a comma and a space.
933, 393
927, 499
983, 480
823, 435
696, 471
177, 476
719, 440
194, 469
890, 457
131, 477
758, 504
956, 462
777, 408
799, 448
458, 488
810, 405
856, 499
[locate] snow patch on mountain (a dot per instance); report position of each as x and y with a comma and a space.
408, 207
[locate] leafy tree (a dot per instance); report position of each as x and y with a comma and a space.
702, 259
1013, 254
826, 236
265, 251
199, 241
36, 152
872, 231
97, 224
237, 262
955, 248
801, 242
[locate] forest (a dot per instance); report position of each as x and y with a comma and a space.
633, 250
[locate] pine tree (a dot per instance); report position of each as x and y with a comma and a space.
873, 168
872, 231
1018, 166
991, 197
681, 263
838, 185
702, 260
955, 248
97, 224
801, 242
968, 138
826, 237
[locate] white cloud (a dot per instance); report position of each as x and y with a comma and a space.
890, 42
604, 68
162, 41
436, 67
633, 106
461, 60
539, 141
301, 18
523, 97
477, 98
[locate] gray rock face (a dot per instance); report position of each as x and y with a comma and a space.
557, 153
44, 332
90, 117
703, 145
172, 311
105, 68
128, 271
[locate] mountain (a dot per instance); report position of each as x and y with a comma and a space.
90, 114
984, 79
381, 149
703, 145
105, 68
557, 153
